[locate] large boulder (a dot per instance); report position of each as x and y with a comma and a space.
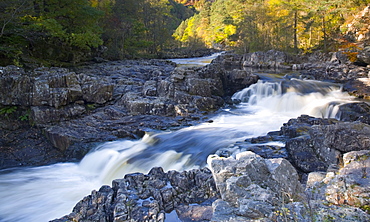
257, 189
314, 144
252, 187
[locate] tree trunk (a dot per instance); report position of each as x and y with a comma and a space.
295, 31
324, 32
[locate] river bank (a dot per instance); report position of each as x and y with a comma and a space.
116, 100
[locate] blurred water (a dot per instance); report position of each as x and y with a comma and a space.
197, 61
48, 192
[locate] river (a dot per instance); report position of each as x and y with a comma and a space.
48, 192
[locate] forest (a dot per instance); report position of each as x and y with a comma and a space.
67, 32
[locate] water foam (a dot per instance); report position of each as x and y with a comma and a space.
45, 193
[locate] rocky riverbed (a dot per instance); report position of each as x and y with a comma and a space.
67, 112
54, 114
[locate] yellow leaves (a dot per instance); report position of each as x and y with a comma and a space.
274, 2
230, 30
350, 49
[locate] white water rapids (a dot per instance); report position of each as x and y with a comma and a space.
43, 193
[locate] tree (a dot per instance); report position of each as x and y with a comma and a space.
48, 31
12, 34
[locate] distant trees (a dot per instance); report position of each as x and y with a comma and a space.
48, 30
57, 32
250, 25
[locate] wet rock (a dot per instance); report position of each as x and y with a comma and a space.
238, 80
301, 125
31, 146
354, 112
196, 213
357, 88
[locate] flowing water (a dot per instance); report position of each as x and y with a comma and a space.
48, 192
197, 61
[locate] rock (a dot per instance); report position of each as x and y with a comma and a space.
139, 197
58, 139
136, 105
15, 87
364, 55
32, 149
194, 213
55, 88
301, 125
354, 112
316, 147
45, 114
351, 185
253, 187
342, 136
342, 191
90, 104
95, 90
236, 80
277, 195
357, 88
269, 59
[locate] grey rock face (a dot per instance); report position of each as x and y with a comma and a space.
252, 187
269, 59
139, 197
344, 190
314, 144
257, 189
351, 185
247, 188
111, 100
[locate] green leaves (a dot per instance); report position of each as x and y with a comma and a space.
48, 31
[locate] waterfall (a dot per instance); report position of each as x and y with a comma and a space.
295, 96
48, 192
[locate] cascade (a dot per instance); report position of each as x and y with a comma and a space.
48, 192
